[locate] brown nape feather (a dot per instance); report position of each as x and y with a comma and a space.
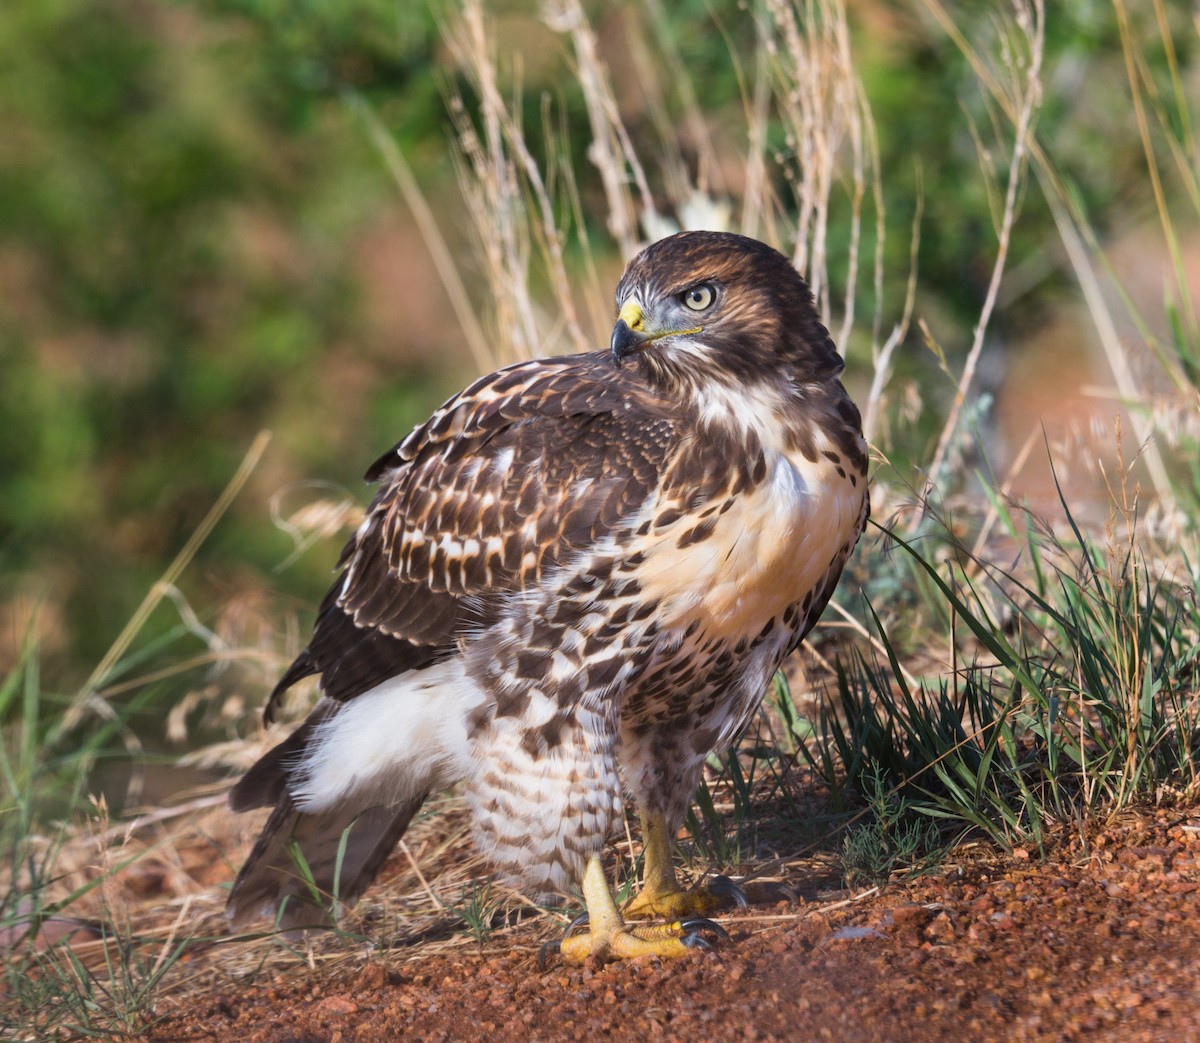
306, 893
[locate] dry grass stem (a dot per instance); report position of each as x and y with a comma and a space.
88, 697
1110, 340
820, 103
1140, 79
874, 642
882, 355
431, 234
1025, 93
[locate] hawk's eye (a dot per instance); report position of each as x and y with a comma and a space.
700, 298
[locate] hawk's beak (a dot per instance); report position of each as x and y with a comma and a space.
629, 333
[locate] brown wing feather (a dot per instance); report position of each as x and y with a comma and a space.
524, 468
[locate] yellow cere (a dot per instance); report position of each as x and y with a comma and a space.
631, 312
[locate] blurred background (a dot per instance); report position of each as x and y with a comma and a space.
223, 217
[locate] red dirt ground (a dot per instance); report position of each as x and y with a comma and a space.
1099, 942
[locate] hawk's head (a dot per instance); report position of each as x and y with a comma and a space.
702, 306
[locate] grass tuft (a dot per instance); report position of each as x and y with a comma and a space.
891, 838
1072, 690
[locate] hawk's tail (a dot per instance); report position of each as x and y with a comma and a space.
305, 866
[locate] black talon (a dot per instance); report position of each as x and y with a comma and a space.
723, 887
545, 952
694, 925
697, 941
574, 925
553, 948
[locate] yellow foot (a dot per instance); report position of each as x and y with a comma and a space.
706, 898
621, 942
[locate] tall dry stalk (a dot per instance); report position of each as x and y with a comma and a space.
1085, 254
611, 150
828, 134
508, 200
1021, 46
803, 79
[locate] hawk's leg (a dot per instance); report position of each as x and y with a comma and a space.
661, 896
609, 938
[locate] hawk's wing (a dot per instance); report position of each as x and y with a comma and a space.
507, 479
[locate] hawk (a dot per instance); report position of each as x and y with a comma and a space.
576, 580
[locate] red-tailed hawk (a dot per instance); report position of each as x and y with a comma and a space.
579, 571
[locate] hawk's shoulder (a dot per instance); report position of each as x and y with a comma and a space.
559, 389
508, 479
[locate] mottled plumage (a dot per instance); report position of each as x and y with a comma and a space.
579, 568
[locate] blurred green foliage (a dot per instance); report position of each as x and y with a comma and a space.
181, 195
187, 206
